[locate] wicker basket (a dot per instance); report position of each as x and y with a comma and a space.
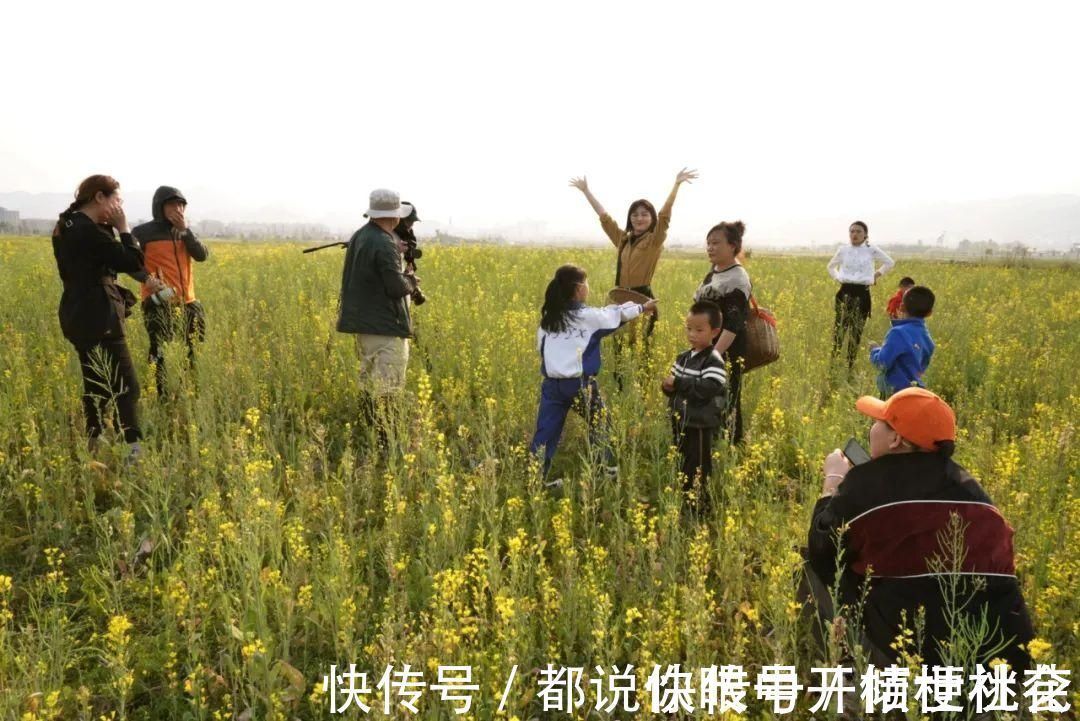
618, 296
762, 340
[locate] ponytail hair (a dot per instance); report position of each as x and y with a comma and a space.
85, 194
733, 233
558, 296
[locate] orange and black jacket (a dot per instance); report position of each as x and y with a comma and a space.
167, 256
93, 306
892, 514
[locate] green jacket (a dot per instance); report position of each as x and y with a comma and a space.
373, 286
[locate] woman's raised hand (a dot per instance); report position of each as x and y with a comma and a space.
581, 184
686, 176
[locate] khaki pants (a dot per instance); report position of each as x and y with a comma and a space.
383, 359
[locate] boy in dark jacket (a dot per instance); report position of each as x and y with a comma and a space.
697, 389
905, 354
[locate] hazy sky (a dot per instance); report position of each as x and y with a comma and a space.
481, 112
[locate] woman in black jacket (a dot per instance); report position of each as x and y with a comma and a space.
728, 286
93, 306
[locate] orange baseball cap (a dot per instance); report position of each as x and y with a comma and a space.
916, 414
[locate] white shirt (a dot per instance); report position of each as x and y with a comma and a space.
855, 263
576, 351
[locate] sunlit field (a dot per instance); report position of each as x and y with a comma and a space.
261, 539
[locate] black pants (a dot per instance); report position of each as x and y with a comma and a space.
734, 426
162, 324
623, 340
109, 380
695, 447
852, 310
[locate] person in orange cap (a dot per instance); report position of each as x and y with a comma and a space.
891, 514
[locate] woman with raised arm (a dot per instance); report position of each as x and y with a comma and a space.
93, 306
638, 244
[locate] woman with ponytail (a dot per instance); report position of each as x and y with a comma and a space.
569, 344
728, 286
93, 306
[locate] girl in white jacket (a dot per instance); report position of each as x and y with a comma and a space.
568, 341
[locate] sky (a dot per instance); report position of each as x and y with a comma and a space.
480, 112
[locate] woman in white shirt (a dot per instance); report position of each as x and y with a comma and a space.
855, 267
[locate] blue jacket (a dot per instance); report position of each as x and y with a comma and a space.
905, 353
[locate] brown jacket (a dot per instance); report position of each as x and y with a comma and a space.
639, 257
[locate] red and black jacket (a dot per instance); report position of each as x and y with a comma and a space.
895, 512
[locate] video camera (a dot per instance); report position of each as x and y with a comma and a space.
412, 253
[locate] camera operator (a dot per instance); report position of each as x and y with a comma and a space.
374, 288
409, 251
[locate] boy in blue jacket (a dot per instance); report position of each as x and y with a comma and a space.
905, 354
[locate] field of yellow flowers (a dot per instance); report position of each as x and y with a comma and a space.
260, 540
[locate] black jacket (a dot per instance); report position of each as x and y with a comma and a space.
373, 286
897, 509
700, 395
93, 306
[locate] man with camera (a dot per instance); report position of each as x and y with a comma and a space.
374, 287
168, 289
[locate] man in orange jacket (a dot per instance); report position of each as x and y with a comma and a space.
168, 290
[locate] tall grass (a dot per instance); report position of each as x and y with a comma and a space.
261, 539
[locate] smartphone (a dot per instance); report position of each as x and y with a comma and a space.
855, 453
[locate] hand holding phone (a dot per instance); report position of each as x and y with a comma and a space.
855, 453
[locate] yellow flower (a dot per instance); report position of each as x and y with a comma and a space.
118, 630
1038, 648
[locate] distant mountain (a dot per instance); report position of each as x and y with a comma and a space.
1037, 221
49, 205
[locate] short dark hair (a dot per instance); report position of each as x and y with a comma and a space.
704, 307
918, 301
864, 226
733, 233
906, 282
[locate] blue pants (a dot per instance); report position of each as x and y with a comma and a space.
557, 397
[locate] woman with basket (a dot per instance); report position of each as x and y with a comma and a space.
728, 286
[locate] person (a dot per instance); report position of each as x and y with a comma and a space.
894, 306
373, 304
853, 266
169, 246
697, 393
641, 241
905, 354
728, 286
93, 306
568, 341
892, 515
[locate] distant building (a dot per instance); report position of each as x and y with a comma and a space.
37, 226
9, 219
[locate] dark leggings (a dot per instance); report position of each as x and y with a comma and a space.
161, 327
109, 379
695, 447
734, 426
852, 310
